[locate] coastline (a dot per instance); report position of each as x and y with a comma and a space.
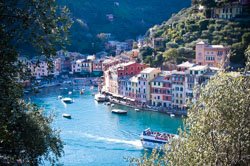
178, 113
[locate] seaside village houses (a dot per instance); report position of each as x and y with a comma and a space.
136, 84
231, 10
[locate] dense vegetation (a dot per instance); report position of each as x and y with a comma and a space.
131, 19
189, 25
26, 135
217, 129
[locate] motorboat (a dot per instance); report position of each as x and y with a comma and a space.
100, 97
67, 100
112, 105
68, 116
70, 92
108, 103
137, 110
119, 111
172, 115
151, 139
60, 97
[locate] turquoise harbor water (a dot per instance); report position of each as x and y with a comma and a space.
95, 136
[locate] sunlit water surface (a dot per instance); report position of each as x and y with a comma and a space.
95, 136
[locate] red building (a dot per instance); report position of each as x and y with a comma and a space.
130, 68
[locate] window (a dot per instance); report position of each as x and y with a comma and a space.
158, 97
177, 101
159, 83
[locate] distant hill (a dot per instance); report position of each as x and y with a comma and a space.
183, 30
124, 19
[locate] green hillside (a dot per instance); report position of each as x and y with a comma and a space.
183, 30
131, 18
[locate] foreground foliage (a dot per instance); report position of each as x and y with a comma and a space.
26, 135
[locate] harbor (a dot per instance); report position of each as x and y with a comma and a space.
93, 135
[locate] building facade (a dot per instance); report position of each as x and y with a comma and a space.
211, 55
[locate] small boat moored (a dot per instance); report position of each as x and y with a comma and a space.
156, 140
119, 111
82, 91
68, 116
172, 115
67, 100
70, 92
137, 110
60, 97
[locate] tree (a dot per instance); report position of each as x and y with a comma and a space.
25, 133
170, 55
217, 129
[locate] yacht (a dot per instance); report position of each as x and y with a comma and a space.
100, 97
67, 100
118, 111
151, 139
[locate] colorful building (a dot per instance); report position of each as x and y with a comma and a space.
114, 75
81, 66
147, 75
211, 55
161, 90
178, 89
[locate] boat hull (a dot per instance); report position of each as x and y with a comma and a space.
147, 144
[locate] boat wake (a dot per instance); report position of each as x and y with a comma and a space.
135, 143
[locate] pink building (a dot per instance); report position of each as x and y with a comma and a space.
211, 55
161, 90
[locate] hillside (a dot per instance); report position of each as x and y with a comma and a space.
131, 18
183, 30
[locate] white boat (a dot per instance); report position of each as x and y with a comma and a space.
151, 140
172, 115
67, 100
70, 92
137, 110
119, 111
112, 105
108, 103
68, 116
100, 97
60, 97
63, 88
82, 91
